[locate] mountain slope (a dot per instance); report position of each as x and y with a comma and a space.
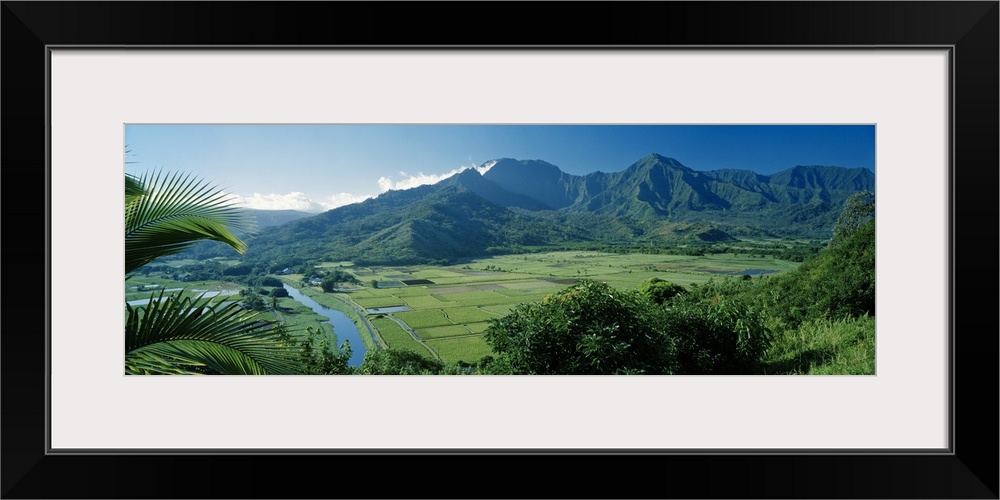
423, 224
268, 218
520, 204
538, 180
800, 200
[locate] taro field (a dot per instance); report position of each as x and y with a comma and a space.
445, 310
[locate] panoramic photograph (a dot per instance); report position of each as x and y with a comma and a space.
425, 249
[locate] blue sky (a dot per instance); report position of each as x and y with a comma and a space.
318, 167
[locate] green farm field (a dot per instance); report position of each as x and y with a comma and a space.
449, 307
142, 287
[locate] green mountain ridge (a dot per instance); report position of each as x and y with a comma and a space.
268, 218
661, 187
518, 204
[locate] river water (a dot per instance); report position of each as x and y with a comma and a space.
751, 272
343, 327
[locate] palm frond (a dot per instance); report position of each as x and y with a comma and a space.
170, 333
166, 214
133, 188
183, 356
149, 363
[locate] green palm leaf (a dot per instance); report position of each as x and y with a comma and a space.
166, 214
133, 188
171, 335
185, 356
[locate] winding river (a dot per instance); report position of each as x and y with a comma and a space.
343, 327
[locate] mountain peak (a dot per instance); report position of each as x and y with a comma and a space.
535, 179
468, 173
508, 167
656, 160
661, 159
502, 163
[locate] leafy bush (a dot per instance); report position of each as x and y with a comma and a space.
721, 335
271, 281
320, 358
490, 365
398, 362
237, 270
659, 290
332, 278
839, 282
588, 328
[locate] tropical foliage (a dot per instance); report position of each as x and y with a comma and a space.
319, 357
588, 328
398, 362
174, 335
659, 290
165, 214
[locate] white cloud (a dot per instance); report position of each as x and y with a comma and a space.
291, 201
411, 181
296, 201
301, 201
341, 199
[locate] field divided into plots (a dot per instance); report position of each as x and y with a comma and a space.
449, 308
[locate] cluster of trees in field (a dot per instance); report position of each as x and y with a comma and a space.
265, 294
333, 278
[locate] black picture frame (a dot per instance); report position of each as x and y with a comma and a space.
970, 470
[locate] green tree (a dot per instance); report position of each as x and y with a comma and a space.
858, 210
659, 290
271, 281
839, 281
165, 214
252, 300
588, 328
322, 359
329, 283
398, 362
722, 332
